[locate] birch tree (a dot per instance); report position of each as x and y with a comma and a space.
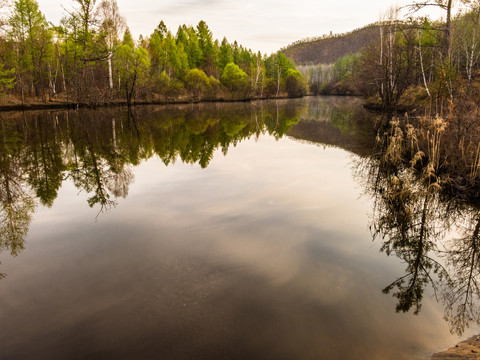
112, 25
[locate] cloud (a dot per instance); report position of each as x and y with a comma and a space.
186, 7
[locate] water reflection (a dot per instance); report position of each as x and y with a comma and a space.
97, 150
17, 203
436, 238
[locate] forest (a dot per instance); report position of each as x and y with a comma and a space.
91, 58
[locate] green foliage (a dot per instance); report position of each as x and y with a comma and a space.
161, 30
215, 87
271, 87
295, 84
85, 60
30, 31
133, 65
208, 51
187, 36
225, 55
168, 87
345, 67
7, 78
128, 39
234, 79
196, 82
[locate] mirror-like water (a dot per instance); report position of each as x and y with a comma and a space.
223, 231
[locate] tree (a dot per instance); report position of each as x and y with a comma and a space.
158, 54
161, 30
276, 67
32, 41
235, 80
88, 50
205, 42
4, 7
133, 64
7, 79
86, 17
466, 34
446, 5
225, 55
196, 82
112, 24
387, 67
295, 84
188, 37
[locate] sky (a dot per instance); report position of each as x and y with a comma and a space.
260, 25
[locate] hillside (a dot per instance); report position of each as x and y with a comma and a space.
327, 50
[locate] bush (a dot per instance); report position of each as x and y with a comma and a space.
167, 87
295, 84
270, 87
235, 80
196, 82
215, 88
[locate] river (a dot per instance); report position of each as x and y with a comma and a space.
217, 231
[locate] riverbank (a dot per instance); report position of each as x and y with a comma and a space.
468, 349
33, 104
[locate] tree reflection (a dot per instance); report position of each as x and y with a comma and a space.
43, 158
96, 151
462, 293
16, 203
412, 221
17, 207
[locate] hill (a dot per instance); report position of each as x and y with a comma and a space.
326, 50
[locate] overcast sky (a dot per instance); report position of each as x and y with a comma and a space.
265, 25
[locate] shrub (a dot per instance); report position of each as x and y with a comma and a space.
295, 84
235, 80
196, 82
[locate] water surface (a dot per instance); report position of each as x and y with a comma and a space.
220, 231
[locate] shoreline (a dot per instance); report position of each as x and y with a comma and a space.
467, 349
53, 105
63, 105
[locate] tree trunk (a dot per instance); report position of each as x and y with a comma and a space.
447, 34
110, 71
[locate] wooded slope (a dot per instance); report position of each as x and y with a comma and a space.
329, 49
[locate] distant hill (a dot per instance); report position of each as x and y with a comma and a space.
327, 50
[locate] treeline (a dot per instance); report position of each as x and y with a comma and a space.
91, 58
337, 78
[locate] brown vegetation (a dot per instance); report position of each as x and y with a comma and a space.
328, 49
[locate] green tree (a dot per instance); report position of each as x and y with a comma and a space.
32, 45
225, 55
158, 54
205, 41
161, 30
235, 80
112, 24
277, 66
196, 82
133, 64
7, 79
188, 37
295, 85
